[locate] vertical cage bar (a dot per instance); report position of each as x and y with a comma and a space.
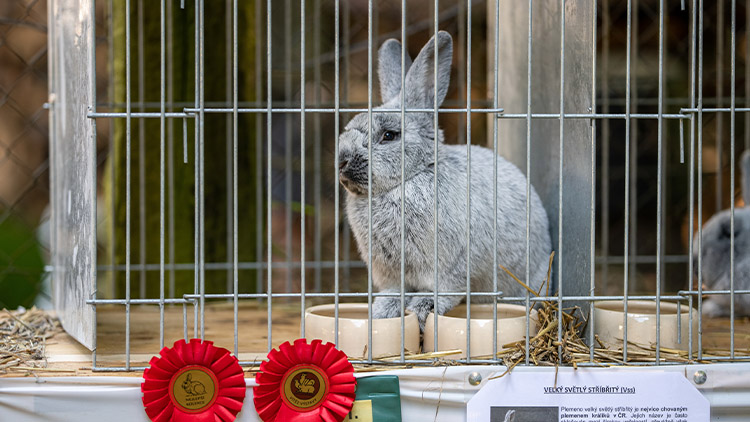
258, 150
196, 178
128, 159
288, 174
691, 177
112, 152
346, 236
184, 141
682, 142
92, 163
659, 187
201, 156
604, 180
720, 28
461, 53
529, 47
170, 149
317, 250
732, 123
184, 322
592, 205
468, 178
664, 161
228, 138
626, 231
560, 179
52, 69
336, 193
235, 182
700, 180
437, 165
403, 177
633, 182
162, 163
369, 180
269, 157
302, 168
141, 154
495, 104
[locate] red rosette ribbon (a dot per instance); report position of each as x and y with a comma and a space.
193, 381
305, 383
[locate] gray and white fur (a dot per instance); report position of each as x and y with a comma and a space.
715, 257
419, 139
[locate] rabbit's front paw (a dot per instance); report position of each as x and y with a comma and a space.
386, 307
421, 306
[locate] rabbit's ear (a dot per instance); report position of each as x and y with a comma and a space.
189, 377
389, 69
420, 82
745, 166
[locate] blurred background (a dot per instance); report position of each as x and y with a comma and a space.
24, 177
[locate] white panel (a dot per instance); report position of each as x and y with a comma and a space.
427, 394
72, 168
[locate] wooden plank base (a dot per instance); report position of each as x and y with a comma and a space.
67, 357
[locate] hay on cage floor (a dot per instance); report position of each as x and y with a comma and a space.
23, 338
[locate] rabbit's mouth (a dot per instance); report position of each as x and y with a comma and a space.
353, 173
355, 187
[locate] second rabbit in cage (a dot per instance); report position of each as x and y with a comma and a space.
715, 250
420, 188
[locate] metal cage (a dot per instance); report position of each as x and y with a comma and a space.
603, 106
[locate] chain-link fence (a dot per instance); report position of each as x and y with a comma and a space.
24, 166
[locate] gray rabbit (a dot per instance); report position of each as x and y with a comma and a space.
419, 196
716, 252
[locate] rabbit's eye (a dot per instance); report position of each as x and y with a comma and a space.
389, 135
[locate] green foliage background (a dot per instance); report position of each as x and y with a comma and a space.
21, 264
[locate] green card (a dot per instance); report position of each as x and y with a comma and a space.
378, 399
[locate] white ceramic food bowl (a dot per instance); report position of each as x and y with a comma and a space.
642, 324
353, 330
511, 327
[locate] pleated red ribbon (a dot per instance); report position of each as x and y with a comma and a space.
193, 381
305, 383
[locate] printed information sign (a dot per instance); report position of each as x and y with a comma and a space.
589, 396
